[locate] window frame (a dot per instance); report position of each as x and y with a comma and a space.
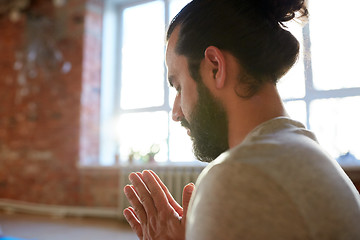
110, 102
111, 105
311, 93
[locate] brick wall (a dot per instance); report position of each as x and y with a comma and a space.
90, 98
99, 187
49, 122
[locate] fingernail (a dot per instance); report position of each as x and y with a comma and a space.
125, 213
125, 190
132, 176
146, 174
139, 175
190, 189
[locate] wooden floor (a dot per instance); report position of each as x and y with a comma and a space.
47, 228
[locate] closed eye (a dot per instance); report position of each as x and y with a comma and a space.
171, 81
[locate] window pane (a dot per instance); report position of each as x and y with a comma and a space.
336, 123
296, 110
179, 143
176, 6
292, 85
142, 65
139, 131
335, 48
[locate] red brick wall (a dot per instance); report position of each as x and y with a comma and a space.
90, 98
49, 123
99, 187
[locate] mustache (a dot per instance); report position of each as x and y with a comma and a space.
185, 123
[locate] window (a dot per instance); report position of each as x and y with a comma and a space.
322, 90
326, 97
137, 120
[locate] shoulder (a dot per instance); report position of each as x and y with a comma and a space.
237, 198
280, 180
224, 174
282, 147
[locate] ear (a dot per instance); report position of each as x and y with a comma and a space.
216, 60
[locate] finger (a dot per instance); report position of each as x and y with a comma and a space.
135, 202
187, 193
157, 193
130, 216
170, 198
141, 177
145, 197
133, 211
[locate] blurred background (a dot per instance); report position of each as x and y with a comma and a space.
84, 99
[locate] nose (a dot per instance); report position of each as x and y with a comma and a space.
177, 114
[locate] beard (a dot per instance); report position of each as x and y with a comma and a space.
208, 125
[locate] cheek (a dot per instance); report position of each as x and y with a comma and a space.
185, 108
188, 100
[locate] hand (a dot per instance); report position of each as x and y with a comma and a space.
154, 213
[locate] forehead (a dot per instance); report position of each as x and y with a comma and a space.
171, 45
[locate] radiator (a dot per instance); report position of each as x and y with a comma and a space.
175, 177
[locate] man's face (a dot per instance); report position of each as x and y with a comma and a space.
196, 108
208, 126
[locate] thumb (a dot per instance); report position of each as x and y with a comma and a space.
187, 192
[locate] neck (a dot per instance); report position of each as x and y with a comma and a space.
246, 114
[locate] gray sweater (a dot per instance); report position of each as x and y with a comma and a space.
277, 184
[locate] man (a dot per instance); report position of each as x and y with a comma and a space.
270, 179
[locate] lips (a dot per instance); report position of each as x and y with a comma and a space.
188, 132
186, 125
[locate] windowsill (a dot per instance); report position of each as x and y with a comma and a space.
353, 171
143, 165
159, 164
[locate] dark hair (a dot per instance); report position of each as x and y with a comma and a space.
251, 30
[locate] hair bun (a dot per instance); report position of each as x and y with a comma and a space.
284, 10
